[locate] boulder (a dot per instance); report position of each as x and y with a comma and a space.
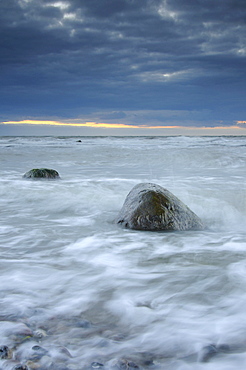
153, 208
41, 173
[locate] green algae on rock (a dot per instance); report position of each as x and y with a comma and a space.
42, 173
150, 207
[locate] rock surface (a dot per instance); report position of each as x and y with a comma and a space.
41, 173
153, 208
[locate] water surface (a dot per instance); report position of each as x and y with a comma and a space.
77, 280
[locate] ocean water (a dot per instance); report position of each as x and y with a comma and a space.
91, 294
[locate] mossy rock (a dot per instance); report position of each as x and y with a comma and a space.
42, 173
153, 208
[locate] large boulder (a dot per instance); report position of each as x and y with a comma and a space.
41, 173
151, 207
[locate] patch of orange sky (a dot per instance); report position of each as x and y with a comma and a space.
113, 125
86, 124
57, 123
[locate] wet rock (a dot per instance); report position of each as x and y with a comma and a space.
118, 337
59, 353
38, 353
145, 358
132, 365
124, 364
63, 351
33, 365
20, 367
13, 365
21, 337
153, 208
42, 173
4, 352
83, 324
40, 333
96, 365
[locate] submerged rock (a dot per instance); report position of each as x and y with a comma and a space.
153, 208
208, 352
38, 352
14, 333
41, 173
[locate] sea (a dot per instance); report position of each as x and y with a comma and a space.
78, 291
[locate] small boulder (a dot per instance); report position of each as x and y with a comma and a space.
41, 173
153, 208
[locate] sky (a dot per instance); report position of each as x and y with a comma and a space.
127, 67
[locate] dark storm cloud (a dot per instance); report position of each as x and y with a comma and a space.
72, 57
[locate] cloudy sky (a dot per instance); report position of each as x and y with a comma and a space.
126, 66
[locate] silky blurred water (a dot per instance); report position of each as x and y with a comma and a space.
105, 293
